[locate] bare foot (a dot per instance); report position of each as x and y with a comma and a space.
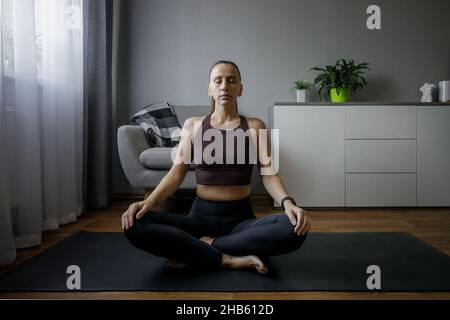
175, 264
243, 262
207, 240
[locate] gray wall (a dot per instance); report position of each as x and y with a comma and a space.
167, 46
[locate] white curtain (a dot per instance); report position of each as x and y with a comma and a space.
41, 112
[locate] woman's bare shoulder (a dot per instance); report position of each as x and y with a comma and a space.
189, 122
255, 123
190, 125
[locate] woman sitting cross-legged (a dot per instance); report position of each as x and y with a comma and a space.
221, 229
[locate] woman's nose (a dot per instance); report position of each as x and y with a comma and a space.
224, 85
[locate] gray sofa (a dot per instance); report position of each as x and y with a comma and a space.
144, 166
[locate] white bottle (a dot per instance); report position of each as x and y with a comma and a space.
444, 91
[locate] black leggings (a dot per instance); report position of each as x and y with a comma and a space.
233, 224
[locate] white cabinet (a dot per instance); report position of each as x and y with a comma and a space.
380, 148
433, 156
312, 153
364, 155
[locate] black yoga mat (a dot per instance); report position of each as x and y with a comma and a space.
326, 262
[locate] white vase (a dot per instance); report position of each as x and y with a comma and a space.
301, 95
444, 91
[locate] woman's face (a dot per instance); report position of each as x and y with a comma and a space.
224, 84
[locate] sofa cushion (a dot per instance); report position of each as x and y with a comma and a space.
158, 158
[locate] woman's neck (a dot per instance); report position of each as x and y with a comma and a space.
222, 114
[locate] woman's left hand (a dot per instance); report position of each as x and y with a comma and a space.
298, 218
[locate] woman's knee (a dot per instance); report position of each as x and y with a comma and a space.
136, 231
147, 230
140, 234
287, 233
133, 234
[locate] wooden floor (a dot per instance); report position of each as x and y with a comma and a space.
431, 225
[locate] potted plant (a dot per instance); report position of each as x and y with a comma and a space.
341, 79
301, 86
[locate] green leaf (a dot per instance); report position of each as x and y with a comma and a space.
344, 74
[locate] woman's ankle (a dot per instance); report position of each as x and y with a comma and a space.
226, 260
207, 240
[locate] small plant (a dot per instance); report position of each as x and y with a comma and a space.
301, 85
344, 75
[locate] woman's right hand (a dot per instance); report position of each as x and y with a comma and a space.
137, 208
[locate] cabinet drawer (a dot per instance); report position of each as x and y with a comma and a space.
372, 190
381, 122
388, 156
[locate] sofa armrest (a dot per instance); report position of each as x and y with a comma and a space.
131, 142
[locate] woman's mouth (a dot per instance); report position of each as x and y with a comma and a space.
225, 97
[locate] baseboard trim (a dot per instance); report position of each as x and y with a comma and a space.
117, 196
179, 194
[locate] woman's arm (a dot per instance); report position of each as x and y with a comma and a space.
275, 187
169, 183
273, 183
277, 191
175, 176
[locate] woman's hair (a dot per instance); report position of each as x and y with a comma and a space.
213, 102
